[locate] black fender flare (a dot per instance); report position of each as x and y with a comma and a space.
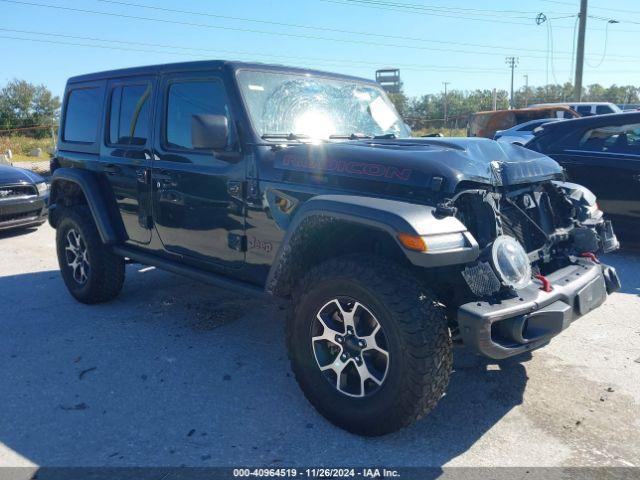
92, 190
390, 216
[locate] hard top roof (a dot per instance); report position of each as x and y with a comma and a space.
204, 65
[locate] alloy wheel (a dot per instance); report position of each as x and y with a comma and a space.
76, 256
350, 347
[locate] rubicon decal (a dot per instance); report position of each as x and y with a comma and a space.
348, 167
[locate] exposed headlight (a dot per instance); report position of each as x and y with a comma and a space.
42, 188
511, 262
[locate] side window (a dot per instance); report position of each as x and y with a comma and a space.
623, 139
129, 115
584, 110
602, 109
82, 115
189, 98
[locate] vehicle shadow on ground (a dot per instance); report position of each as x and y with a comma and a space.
176, 373
627, 264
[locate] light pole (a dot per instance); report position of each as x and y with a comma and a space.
511, 63
446, 113
526, 90
582, 27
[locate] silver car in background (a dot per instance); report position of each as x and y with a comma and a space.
522, 133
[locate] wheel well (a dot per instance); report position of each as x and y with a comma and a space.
65, 193
319, 238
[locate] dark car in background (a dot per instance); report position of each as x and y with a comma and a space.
24, 197
603, 154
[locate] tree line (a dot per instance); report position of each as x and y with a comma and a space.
427, 111
24, 105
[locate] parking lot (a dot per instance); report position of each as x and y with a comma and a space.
178, 373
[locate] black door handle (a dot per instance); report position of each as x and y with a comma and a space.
112, 169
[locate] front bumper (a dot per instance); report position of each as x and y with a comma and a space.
503, 328
23, 211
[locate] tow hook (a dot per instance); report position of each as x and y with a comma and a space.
546, 284
591, 256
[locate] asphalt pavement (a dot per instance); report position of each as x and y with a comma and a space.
178, 373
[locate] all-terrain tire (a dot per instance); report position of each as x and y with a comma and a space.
105, 276
417, 335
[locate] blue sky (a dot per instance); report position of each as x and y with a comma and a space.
431, 41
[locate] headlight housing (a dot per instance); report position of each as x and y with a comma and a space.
510, 262
42, 187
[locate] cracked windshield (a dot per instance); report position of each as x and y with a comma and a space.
283, 104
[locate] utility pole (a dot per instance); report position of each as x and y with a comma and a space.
511, 63
526, 90
446, 113
582, 28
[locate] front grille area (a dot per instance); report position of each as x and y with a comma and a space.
12, 217
14, 191
517, 225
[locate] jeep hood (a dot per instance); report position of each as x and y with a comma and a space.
438, 164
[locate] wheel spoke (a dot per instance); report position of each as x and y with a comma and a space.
328, 333
347, 315
365, 374
372, 343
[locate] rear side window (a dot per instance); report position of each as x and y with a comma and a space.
602, 109
584, 110
82, 115
129, 115
186, 99
622, 139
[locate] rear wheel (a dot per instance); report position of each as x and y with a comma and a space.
90, 270
369, 348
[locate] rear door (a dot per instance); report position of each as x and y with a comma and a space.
126, 151
198, 199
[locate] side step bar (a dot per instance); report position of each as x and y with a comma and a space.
190, 272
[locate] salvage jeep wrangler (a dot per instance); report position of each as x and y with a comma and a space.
308, 186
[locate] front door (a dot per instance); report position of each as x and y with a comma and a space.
126, 152
198, 203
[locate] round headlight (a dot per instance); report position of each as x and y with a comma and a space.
511, 262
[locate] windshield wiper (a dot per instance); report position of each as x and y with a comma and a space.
291, 137
353, 136
389, 136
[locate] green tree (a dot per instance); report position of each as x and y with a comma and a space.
23, 104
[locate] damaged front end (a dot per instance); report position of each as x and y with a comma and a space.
537, 270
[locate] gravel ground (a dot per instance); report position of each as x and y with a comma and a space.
178, 373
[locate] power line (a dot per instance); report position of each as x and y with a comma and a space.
132, 47
248, 30
240, 52
310, 27
381, 5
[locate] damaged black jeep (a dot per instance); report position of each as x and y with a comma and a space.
308, 186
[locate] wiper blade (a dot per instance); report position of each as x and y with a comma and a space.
353, 136
291, 137
389, 136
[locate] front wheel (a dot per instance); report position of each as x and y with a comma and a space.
369, 348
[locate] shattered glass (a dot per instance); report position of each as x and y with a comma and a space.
319, 107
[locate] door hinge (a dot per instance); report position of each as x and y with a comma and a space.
237, 242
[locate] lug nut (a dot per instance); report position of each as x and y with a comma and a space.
362, 343
343, 357
339, 339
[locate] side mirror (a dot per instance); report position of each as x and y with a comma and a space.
209, 132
